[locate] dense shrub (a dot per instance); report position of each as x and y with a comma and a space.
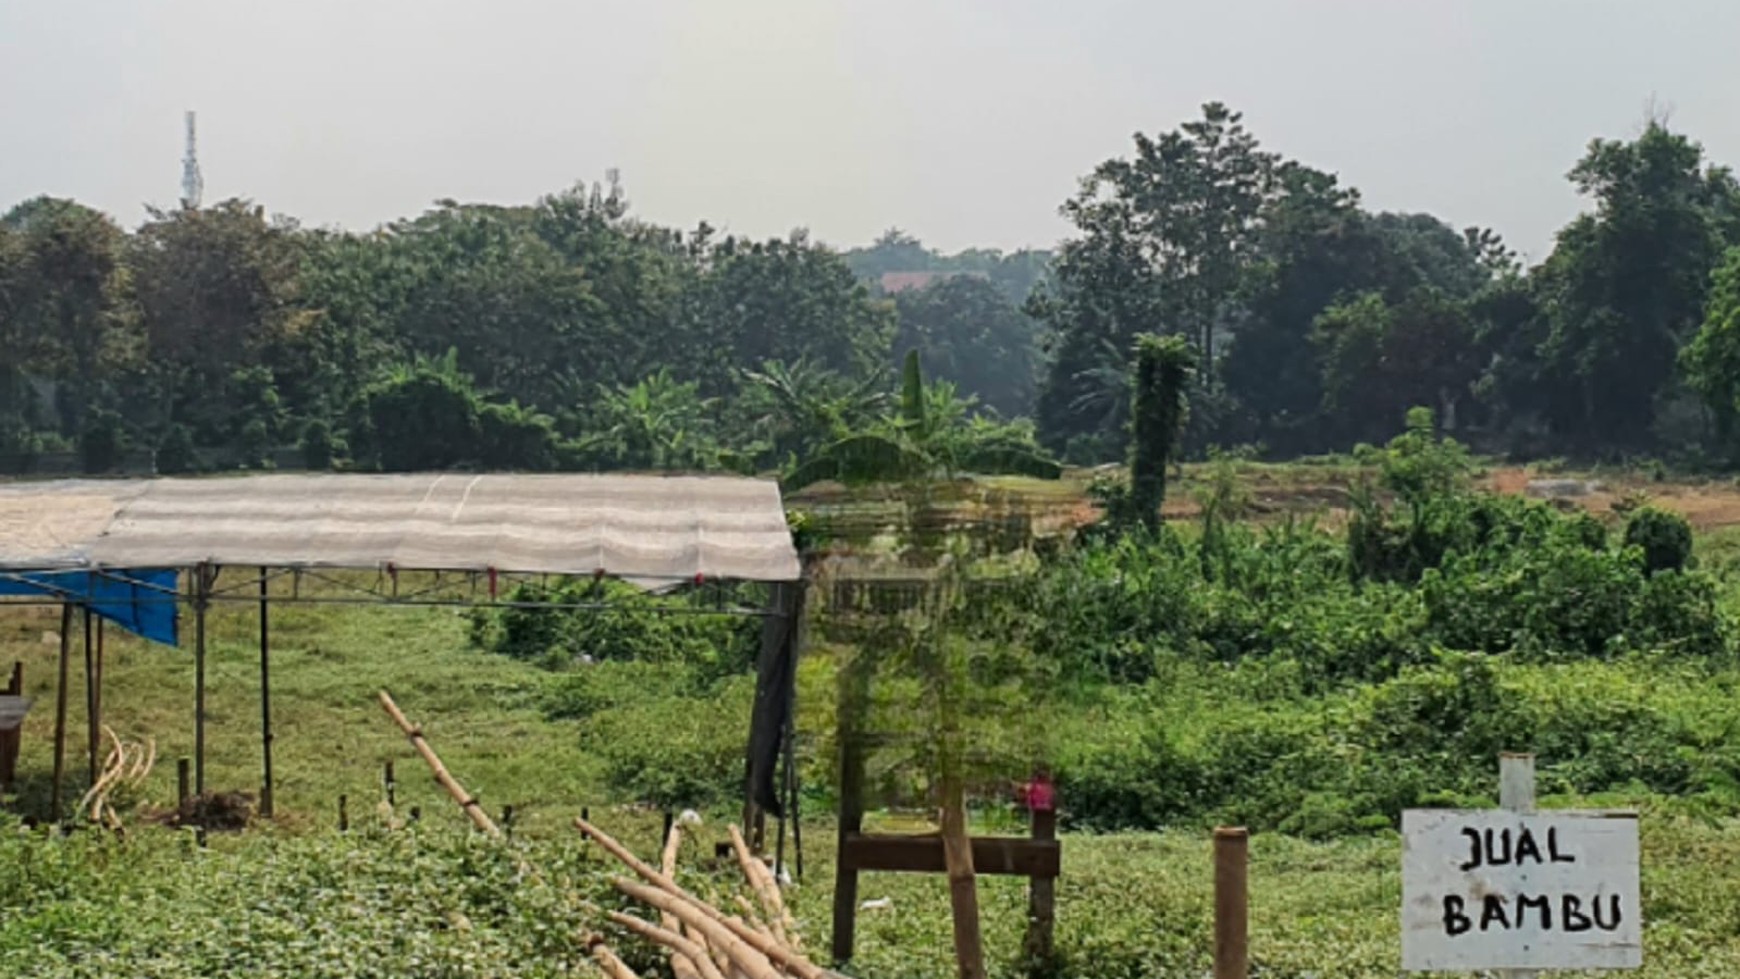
695, 758
321, 448
100, 442
176, 454
1665, 539
621, 622
1196, 751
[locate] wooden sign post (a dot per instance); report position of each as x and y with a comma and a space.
1519, 891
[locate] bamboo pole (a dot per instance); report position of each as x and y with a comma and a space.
788, 959
682, 950
963, 884
762, 882
613, 967
684, 963
752, 962
448, 782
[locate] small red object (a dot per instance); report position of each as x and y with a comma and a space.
1041, 795
492, 584
698, 577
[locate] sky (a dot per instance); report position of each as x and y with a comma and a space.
964, 122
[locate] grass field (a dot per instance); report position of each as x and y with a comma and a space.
298, 899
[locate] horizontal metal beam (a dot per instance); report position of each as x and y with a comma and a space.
1008, 856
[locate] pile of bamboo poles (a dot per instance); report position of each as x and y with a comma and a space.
702, 941
126, 765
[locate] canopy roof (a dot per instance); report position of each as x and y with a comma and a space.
639, 527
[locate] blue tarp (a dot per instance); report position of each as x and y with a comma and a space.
142, 601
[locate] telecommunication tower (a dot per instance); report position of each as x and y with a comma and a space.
192, 184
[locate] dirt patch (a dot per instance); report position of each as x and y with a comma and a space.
220, 811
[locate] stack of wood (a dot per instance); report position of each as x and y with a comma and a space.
703, 942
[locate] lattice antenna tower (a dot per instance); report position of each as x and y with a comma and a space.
192, 184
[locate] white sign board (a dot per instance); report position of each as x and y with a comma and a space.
1492, 889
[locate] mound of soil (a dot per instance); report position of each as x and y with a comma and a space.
222, 811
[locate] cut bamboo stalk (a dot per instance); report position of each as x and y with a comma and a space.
613, 967
761, 881
682, 950
963, 884
752, 962
684, 965
788, 959
448, 782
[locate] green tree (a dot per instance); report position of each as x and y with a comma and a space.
1625, 286
1160, 380
1378, 358
217, 289
1712, 360
70, 304
967, 331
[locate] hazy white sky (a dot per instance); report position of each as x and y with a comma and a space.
965, 122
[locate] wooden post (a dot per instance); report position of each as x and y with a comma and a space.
1231, 904
202, 593
93, 737
265, 699
181, 784
60, 713
1516, 793
958, 859
343, 813
1041, 901
10, 740
389, 783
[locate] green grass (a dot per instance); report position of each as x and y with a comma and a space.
298, 899
331, 736
436, 901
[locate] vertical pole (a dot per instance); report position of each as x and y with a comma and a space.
60, 712
1041, 901
1516, 793
391, 785
265, 699
9, 740
93, 736
343, 814
181, 785
1231, 904
99, 697
791, 776
202, 591
854, 699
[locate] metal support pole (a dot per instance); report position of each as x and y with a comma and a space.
93, 735
60, 713
1516, 793
265, 698
1232, 954
201, 600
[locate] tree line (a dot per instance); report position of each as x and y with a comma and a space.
1318, 323
563, 334
569, 333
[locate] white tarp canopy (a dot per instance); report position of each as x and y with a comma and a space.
650, 528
